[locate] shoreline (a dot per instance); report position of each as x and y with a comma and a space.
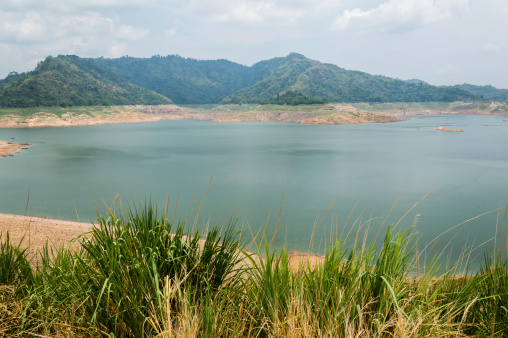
327, 114
37, 231
331, 113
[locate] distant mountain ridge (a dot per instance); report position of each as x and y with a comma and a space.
331, 83
184, 80
187, 81
71, 80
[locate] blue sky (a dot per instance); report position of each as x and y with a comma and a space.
443, 42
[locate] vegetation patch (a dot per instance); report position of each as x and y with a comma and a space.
68, 81
293, 98
141, 275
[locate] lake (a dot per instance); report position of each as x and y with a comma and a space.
256, 164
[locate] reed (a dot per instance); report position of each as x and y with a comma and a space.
140, 275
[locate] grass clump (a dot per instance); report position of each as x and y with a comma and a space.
140, 275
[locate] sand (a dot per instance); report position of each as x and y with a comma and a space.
448, 129
36, 231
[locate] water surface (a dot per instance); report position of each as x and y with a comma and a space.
254, 165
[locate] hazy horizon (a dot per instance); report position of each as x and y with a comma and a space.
442, 42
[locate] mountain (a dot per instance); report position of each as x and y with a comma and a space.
183, 80
72, 81
334, 84
487, 92
415, 81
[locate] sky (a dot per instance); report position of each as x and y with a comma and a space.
443, 42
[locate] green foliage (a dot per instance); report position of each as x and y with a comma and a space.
138, 275
72, 81
190, 81
14, 264
293, 98
67, 81
487, 92
334, 84
183, 80
120, 273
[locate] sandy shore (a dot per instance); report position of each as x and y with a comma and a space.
36, 231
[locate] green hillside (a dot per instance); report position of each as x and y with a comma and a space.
183, 80
334, 84
72, 81
487, 92
293, 99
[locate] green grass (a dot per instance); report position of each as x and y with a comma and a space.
138, 274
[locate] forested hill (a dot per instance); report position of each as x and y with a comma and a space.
334, 84
487, 92
183, 80
186, 80
72, 81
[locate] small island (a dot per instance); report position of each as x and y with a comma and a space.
448, 129
8, 148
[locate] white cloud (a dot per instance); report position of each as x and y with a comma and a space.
490, 48
169, 33
125, 32
26, 29
36, 28
449, 69
35, 35
118, 49
246, 11
399, 15
72, 6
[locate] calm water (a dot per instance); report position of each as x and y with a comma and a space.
256, 164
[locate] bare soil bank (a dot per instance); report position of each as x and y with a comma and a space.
339, 113
328, 114
109, 115
8, 148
